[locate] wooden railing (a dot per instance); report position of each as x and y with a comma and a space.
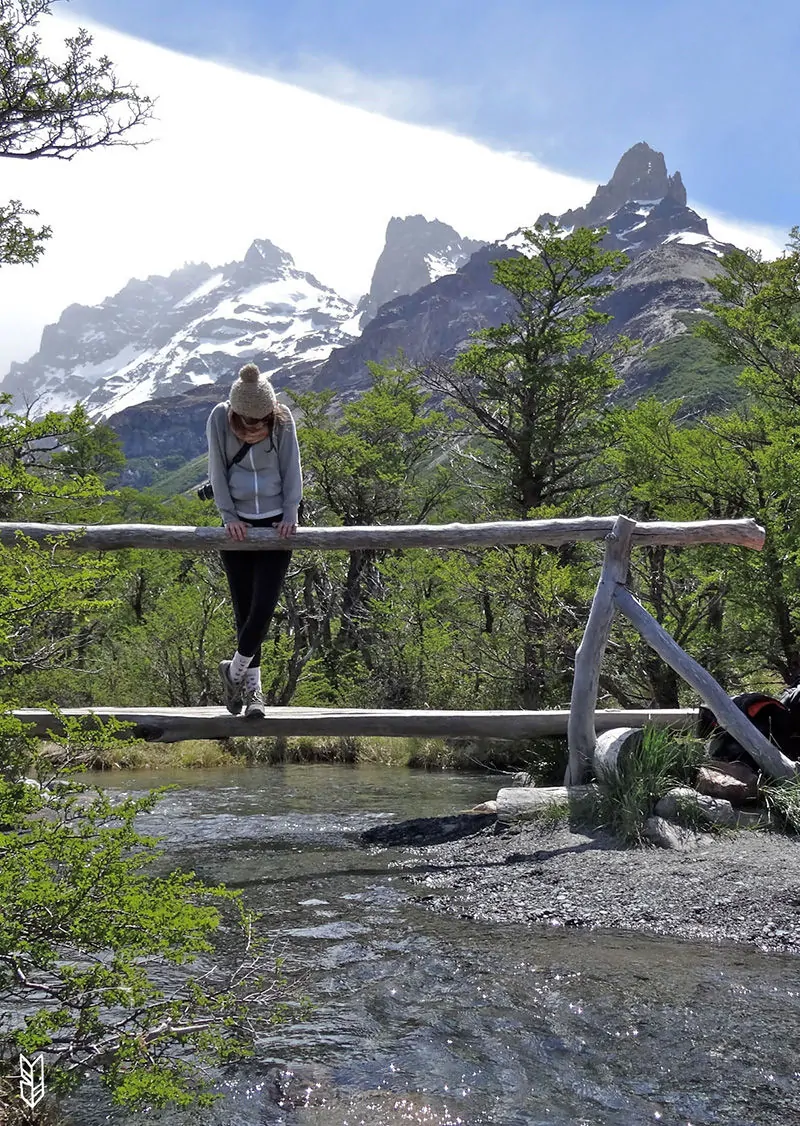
553, 533
620, 533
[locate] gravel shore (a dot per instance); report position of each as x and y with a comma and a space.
739, 886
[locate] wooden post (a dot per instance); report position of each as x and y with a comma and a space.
581, 734
766, 754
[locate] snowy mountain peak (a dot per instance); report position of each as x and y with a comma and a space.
640, 176
642, 206
641, 173
266, 256
163, 336
416, 252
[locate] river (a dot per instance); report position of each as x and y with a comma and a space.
427, 1018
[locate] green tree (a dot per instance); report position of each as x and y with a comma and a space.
91, 451
50, 599
756, 325
54, 109
665, 469
737, 612
530, 398
534, 390
87, 931
756, 322
383, 460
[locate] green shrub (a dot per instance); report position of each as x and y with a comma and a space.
89, 934
782, 799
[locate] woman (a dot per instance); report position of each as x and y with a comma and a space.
254, 469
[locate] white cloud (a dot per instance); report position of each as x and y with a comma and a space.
400, 97
771, 241
237, 156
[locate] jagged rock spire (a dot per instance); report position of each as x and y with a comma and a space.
641, 174
417, 251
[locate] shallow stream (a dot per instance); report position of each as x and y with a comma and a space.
424, 1018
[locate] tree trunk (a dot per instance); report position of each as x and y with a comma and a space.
789, 663
533, 676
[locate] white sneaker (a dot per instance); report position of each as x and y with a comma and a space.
254, 704
232, 691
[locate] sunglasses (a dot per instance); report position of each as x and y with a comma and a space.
256, 421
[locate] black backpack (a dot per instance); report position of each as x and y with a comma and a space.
778, 720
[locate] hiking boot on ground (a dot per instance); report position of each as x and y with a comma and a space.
254, 705
232, 692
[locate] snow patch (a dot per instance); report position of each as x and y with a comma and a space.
105, 368
352, 326
140, 392
439, 265
694, 238
688, 238
201, 291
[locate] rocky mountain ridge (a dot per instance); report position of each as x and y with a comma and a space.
163, 336
416, 252
671, 252
318, 344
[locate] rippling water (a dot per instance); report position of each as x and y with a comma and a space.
421, 1018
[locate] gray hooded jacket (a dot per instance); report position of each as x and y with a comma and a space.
268, 479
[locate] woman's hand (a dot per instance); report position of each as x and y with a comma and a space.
236, 530
285, 529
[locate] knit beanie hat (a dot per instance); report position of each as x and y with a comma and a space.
252, 394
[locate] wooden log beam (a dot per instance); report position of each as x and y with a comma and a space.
520, 803
613, 748
766, 754
113, 537
171, 725
581, 734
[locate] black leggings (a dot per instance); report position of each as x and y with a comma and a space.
255, 579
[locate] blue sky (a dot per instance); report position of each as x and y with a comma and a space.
714, 84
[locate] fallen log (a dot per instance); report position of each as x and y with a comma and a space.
612, 747
520, 803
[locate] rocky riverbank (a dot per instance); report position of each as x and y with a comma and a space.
735, 887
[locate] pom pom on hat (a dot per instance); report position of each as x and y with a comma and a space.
252, 394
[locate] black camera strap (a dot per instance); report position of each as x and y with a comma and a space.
237, 457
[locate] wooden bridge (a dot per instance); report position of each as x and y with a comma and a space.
171, 725
581, 722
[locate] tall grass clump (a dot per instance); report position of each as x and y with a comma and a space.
628, 797
782, 799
